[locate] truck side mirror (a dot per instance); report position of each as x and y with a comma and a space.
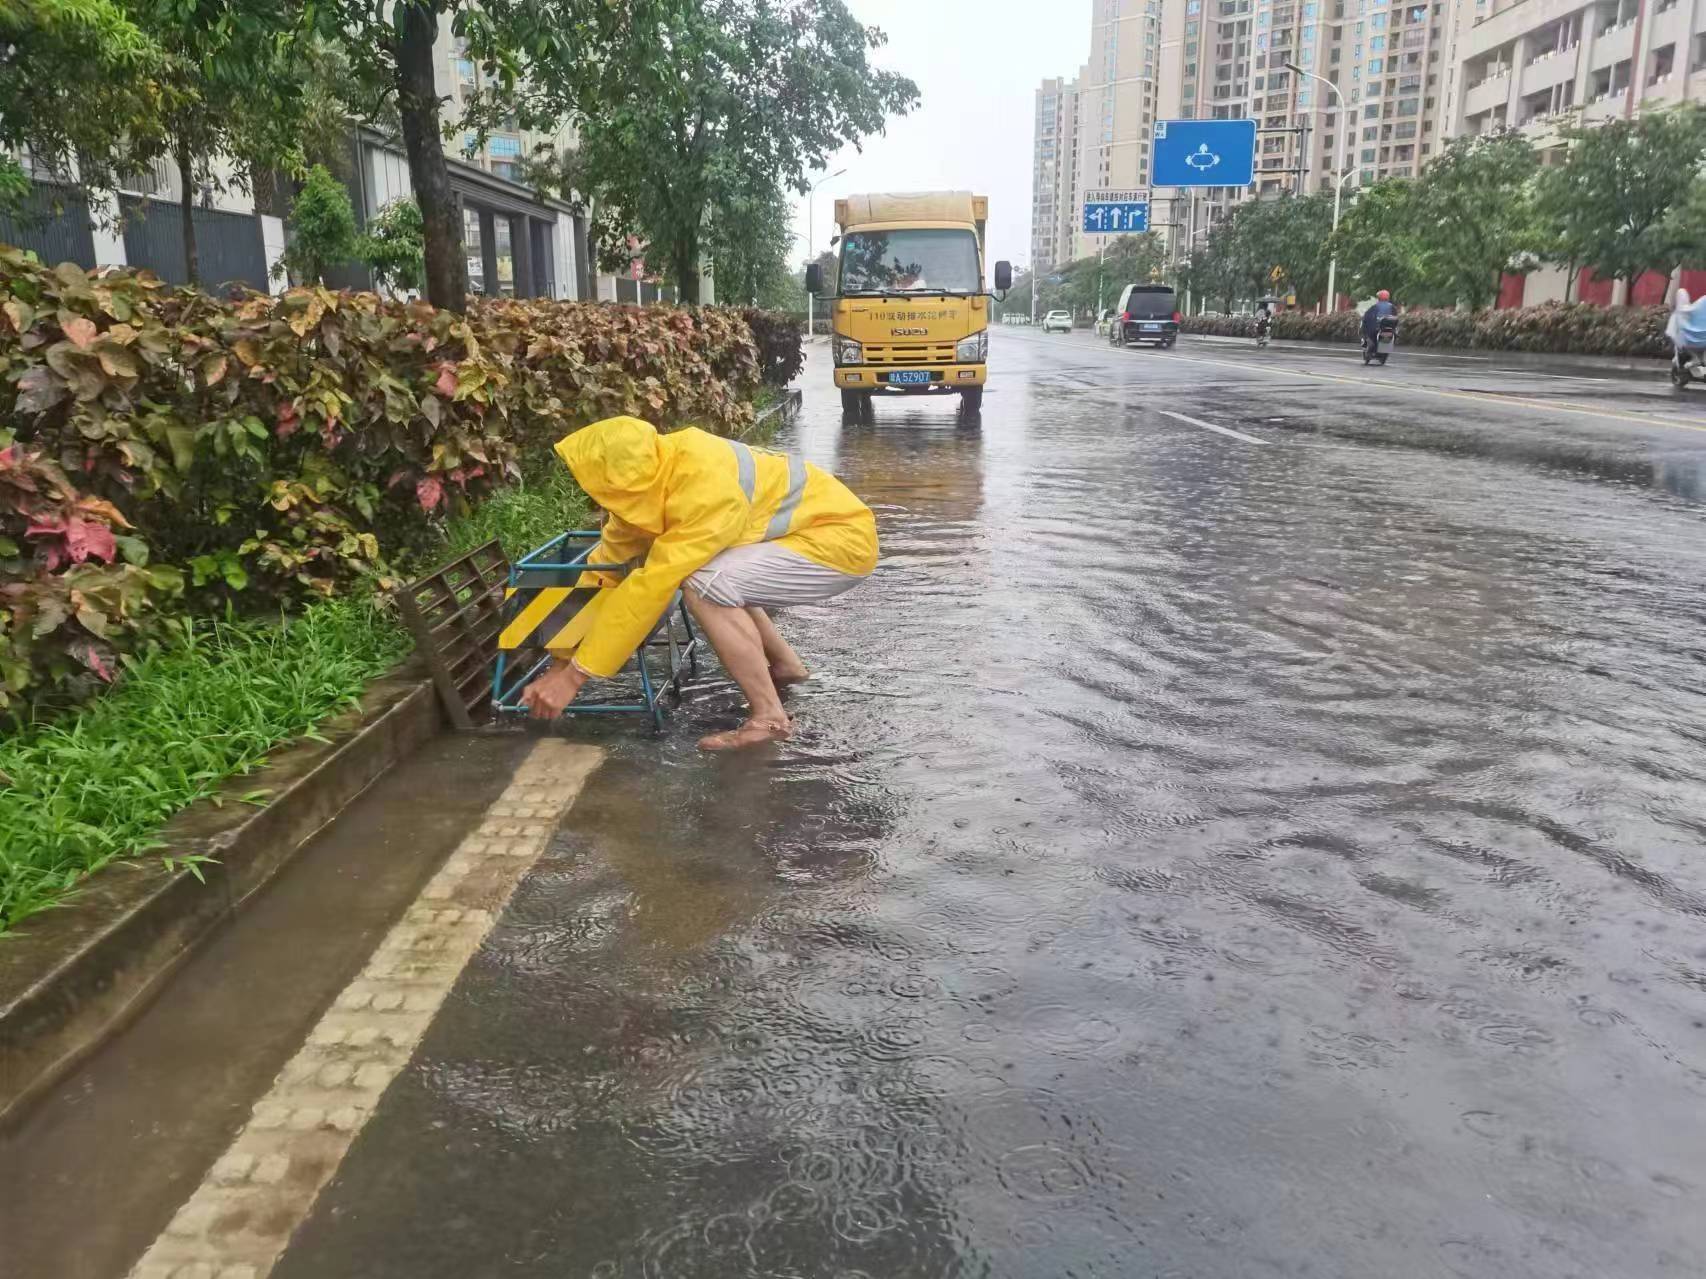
814, 278
1003, 276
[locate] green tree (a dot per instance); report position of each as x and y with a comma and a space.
685, 106
1130, 259
1478, 199
1685, 227
749, 238
1608, 205
322, 228
518, 45
1382, 243
230, 89
395, 247
79, 89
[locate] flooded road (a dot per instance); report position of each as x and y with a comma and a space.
1253, 824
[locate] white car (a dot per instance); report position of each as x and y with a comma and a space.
1057, 321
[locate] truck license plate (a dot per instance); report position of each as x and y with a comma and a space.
910, 376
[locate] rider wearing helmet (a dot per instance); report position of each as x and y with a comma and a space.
1372, 317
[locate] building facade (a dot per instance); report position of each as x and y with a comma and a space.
517, 243
1524, 65
1054, 173
1128, 83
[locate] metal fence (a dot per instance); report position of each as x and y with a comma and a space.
229, 247
53, 223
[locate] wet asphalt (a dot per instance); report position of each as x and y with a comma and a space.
1278, 853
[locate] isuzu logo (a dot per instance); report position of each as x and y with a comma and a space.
908, 333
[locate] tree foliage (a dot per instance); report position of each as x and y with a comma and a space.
690, 110
229, 91
1609, 203
1478, 194
1266, 246
395, 247
79, 90
322, 229
749, 238
518, 45
1382, 243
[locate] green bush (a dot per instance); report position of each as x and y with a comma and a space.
1573, 328
322, 228
781, 350
281, 449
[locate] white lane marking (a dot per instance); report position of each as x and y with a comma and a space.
1480, 397
1555, 377
1210, 426
240, 1219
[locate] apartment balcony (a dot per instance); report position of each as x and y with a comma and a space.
1605, 106
1613, 45
1489, 94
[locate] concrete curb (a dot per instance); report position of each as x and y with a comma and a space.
1561, 361
787, 409
72, 977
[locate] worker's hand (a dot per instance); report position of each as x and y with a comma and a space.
546, 696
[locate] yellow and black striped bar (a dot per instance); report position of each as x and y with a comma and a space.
548, 617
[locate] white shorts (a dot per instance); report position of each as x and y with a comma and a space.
765, 575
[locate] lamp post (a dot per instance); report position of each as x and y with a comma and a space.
1338, 179
811, 244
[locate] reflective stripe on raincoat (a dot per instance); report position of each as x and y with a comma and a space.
673, 501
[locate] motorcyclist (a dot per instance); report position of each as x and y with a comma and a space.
1264, 318
1372, 317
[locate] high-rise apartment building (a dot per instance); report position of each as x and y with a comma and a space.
1522, 66
1054, 170
1093, 133
1128, 83
1383, 56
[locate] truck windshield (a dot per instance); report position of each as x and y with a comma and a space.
920, 261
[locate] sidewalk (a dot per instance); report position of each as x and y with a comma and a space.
1553, 361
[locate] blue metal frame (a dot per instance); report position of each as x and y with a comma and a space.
560, 562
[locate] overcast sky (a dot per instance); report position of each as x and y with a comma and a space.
977, 64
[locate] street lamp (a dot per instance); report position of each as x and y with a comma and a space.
1338, 178
811, 244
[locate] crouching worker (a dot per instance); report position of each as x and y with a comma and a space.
737, 529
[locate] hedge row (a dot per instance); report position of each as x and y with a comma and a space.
1575, 328
162, 447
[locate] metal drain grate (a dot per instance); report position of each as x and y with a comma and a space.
455, 614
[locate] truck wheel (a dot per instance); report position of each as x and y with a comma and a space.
855, 406
971, 401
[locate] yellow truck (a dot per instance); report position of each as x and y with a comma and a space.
910, 315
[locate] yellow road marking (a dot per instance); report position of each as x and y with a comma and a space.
1476, 396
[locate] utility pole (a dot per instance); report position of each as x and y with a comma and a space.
1339, 132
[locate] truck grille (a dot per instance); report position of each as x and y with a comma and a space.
910, 353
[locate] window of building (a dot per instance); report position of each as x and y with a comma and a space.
471, 249
1376, 66
1367, 157
1377, 44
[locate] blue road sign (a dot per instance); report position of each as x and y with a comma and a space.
1116, 217
1204, 153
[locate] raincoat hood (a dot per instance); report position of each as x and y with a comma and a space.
620, 464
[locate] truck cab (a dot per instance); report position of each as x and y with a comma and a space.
910, 315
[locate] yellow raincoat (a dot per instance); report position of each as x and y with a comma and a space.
676, 500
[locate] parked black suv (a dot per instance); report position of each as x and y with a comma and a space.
1146, 313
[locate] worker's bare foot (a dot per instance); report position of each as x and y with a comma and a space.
783, 674
752, 733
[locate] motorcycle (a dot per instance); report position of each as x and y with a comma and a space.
1376, 349
1687, 334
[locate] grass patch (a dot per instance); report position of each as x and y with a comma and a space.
522, 517
204, 706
